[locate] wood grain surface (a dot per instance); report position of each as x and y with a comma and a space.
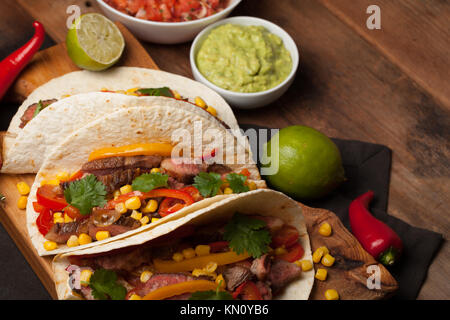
387, 86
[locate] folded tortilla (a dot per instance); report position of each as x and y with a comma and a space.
275, 203
139, 125
24, 154
114, 79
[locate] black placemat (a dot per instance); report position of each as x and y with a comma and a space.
368, 167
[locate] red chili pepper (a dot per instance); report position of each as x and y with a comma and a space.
11, 66
375, 236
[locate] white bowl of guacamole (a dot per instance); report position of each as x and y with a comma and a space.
250, 61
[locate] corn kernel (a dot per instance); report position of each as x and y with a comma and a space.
120, 208
135, 297
57, 215
54, 182
188, 253
136, 215
325, 229
221, 281
23, 188
132, 90
176, 95
328, 260
211, 267
85, 277
155, 219
252, 185
280, 251
200, 102
50, 245
58, 220
227, 191
306, 265
63, 176
84, 239
126, 189
155, 170
145, 276
212, 111
116, 194
67, 219
203, 272
144, 220
319, 253
133, 203
102, 235
151, 206
202, 250
321, 274
73, 241
22, 202
331, 294
177, 257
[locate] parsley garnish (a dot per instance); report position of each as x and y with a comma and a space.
237, 182
104, 285
86, 193
38, 109
150, 181
211, 295
208, 183
164, 91
247, 234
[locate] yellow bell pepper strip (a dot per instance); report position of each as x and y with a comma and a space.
223, 258
180, 288
139, 149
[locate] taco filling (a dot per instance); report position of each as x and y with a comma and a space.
250, 257
123, 188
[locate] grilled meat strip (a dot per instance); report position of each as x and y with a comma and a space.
29, 113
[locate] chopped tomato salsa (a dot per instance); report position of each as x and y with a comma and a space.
169, 10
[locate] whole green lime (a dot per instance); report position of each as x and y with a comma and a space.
309, 163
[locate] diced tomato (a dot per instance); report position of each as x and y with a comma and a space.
295, 253
73, 212
44, 221
218, 246
245, 172
286, 236
51, 196
247, 291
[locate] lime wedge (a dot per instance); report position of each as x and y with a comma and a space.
94, 42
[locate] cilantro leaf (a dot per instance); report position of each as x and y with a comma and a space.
38, 109
150, 181
237, 182
86, 193
104, 285
247, 234
164, 91
208, 183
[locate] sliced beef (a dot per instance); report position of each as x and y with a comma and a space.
265, 290
273, 223
124, 261
115, 172
282, 273
161, 280
174, 184
235, 275
183, 170
29, 113
219, 168
261, 266
104, 217
124, 224
61, 232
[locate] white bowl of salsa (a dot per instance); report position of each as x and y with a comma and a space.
245, 98
168, 25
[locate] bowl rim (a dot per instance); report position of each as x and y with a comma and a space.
295, 56
168, 24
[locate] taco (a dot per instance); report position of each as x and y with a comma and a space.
124, 80
228, 250
24, 154
130, 171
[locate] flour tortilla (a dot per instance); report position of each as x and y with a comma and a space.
26, 152
130, 126
120, 78
275, 203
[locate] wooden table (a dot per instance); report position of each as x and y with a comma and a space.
388, 86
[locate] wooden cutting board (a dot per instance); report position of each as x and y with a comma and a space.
348, 275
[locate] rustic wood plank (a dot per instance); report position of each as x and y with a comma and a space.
348, 275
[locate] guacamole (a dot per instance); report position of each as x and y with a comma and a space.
243, 58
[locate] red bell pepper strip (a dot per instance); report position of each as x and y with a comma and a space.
287, 236
11, 66
376, 237
295, 253
247, 291
50, 196
44, 221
